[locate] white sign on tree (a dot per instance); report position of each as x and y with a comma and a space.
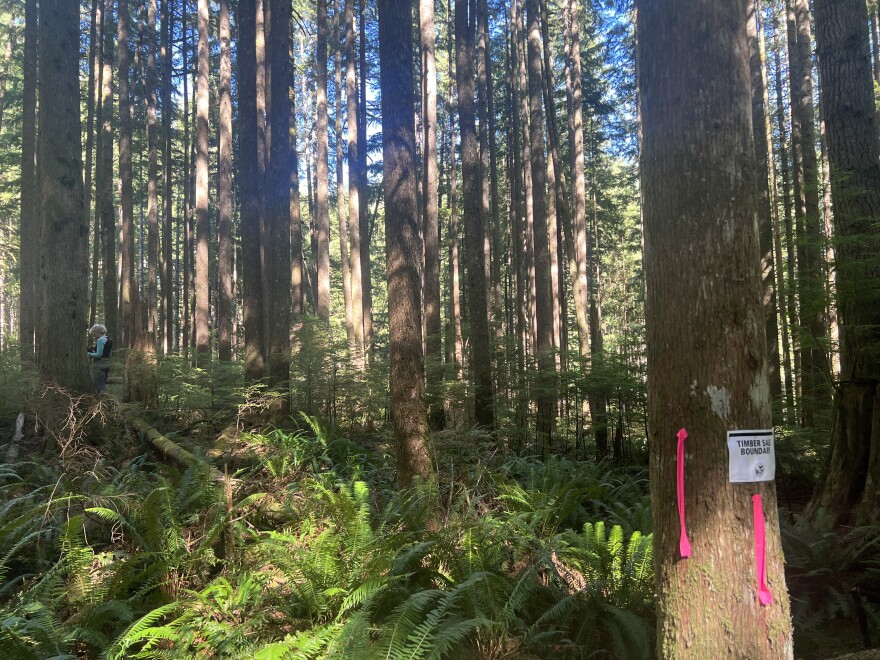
752, 456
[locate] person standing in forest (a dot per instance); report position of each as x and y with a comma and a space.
100, 355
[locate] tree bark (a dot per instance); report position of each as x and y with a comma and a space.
364, 194
404, 249
64, 262
790, 312
815, 390
104, 179
29, 236
545, 396
152, 324
203, 334
322, 209
481, 367
848, 106
765, 213
249, 192
433, 355
341, 215
354, 187
707, 367
167, 280
277, 198
454, 274
224, 194
130, 319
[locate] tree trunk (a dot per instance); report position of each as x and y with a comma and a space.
847, 98
322, 209
277, 198
354, 187
167, 177
790, 313
707, 367
815, 390
341, 215
765, 212
404, 249
481, 23
249, 192
433, 355
203, 334
29, 236
481, 366
454, 274
104, 179
545, 396
129, 307
93, 100
364, 194
296, 252
149, 341
224, 194
64, 265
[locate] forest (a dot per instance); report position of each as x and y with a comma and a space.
491, 329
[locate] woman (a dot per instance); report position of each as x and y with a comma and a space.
100, 357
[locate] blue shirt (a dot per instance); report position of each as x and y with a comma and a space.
99, 348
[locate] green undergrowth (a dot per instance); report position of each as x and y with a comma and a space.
311, 551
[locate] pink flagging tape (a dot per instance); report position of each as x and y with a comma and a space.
764, 595
684, 544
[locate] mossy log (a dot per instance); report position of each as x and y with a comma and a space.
164, 445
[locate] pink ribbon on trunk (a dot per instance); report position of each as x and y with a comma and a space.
684, 545
764, 595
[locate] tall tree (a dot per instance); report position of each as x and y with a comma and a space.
249, 192
707, 368
29, 238
128, 303
578, 244
277, 197
364, 193
167, 176
341, 215
203, 334
322, 209
852, 477
65, 229
224, 194
354, 185
151, 95
104, 177
404, 249
545, 396
815, 390
760, 117
430, 209
481, 366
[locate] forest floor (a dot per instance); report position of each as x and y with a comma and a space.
296, 492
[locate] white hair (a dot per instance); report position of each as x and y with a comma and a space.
98, 330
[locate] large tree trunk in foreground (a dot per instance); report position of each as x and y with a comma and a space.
167, 179
404, 246
249, 192
64, 262
852, 480
707, 367
152, 326
481, 365
278, 196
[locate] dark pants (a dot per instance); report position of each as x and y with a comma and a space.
100, 374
